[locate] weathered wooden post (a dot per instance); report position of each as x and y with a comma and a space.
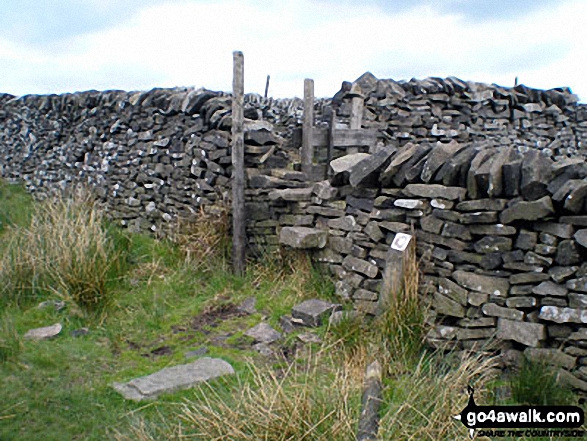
308, 128
238, 165
370, 404
394, 273
357, 104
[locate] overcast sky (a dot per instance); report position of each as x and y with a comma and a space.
54, 46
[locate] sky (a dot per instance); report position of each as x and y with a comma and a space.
56, 46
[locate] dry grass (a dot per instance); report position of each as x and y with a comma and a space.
66, 250
424, 401
10, 341
203, 238
399, 331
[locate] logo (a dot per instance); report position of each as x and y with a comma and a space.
529, 421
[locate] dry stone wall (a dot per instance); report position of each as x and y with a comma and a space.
490, 180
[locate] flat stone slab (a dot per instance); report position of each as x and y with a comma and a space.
173, 378
303, 237
529, 334
44, 333
313, 311
345, 163
263, 333
562, 315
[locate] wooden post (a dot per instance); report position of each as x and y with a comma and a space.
370, 403
238, 166
267, 85
330, 146
357, 104
393, 275
307, 148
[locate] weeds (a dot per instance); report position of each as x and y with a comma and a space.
66, 250
285, 405
535, 384
10, 341
203, 239
424, 400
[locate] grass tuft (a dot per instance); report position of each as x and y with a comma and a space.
535, 384
66, 250
10, 341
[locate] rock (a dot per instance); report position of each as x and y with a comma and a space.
345, 163
531, 211
410, 204
450, 289
493, 244
352, 263
364, 170
562, 315
309, 337
303, 237
536, 173
526, 240
528, 278
44, 333
313, 312
548, 288
437, 157
579, 284
577, 301
248, 305
58, 305
482, 205
562, 273
529, 334
196, 352
346, 223
497, 286
324, 190
567, 379
341, 316
475, 333
173, 378
446, 306
481, 217
521, 302
567, 253
575, 201
493, 310
263, 349
263, 333
493, 230
562, 230
432, 191
291, 194
551, 357
581, 237
79, 332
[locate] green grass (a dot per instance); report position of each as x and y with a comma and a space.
15, 205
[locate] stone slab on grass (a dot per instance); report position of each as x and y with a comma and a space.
313, 311
263, 333
44, 333
173, 378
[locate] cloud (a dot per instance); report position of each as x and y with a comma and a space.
190, 43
